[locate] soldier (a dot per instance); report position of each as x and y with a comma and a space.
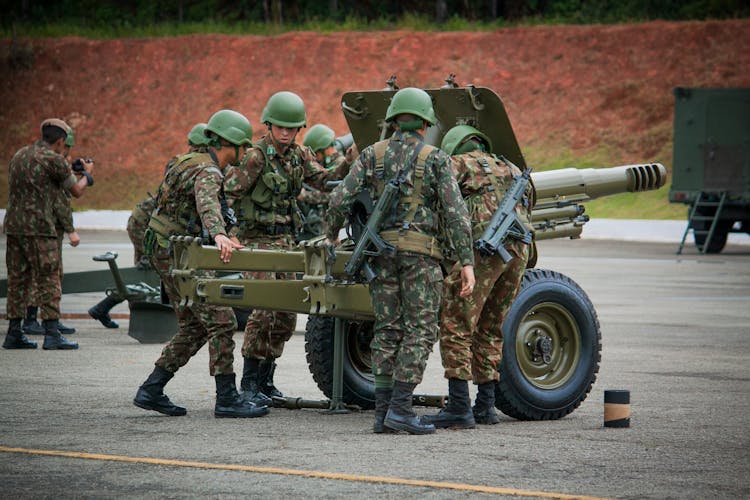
263, 191
406, 292
312, 201
471, 336
189, 202
137, 224
33, 256
63, 225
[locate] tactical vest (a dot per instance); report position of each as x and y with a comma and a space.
273, 200
175, 213
400, 233
475, 202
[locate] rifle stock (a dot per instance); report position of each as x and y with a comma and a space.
505, 223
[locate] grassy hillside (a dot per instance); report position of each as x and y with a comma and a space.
576, 95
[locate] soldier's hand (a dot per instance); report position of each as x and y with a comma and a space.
226, 246
467, 281
88, 165
352, 153
74, 239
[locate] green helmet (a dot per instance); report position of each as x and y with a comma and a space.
319, 137
232, 126
70, 140
413, 101
459, 134
197, 135
285, 109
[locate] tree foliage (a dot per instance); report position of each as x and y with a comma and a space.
137, 13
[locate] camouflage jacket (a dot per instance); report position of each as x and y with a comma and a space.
36, 173
263, 188
141, 214
313, 196
484, 179
189, 195
63, 211
441, 198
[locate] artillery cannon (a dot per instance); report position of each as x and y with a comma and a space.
552, 338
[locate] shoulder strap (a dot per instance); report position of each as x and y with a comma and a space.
422, 153
181, 164
379, 150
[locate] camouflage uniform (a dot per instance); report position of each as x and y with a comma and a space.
33, 255
471, 337
187, 203
314, 202
406, 294
63, 225
263, 192
137, 224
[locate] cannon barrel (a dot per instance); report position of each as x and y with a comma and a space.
558, 211
557, 188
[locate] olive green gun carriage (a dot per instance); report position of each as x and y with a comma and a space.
552, 338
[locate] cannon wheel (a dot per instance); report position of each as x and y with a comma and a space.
551, 349
359, 384
547, 299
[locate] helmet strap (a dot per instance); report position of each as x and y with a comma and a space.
471, 144
410, 126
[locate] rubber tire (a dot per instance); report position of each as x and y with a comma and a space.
359, 384
719, 240
515, 394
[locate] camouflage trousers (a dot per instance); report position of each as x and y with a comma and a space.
471, 336
406, 296
266, 332
199, 324
136, 231
36, 300
33, 264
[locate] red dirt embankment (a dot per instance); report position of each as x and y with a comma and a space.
601, 91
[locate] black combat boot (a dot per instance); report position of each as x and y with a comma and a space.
229, 404
30, 325
150, 395
382, 401
457, 413
400, 416
484, 406
53, 339
65, 330
100, 312
250, 383
267, 369
15, 339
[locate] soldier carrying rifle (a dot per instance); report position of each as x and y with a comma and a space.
406, 287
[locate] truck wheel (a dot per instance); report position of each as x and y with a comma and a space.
551, 349
359, 384
719, 239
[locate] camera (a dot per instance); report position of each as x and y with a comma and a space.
77, 164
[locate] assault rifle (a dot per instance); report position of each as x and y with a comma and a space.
505, 222
370, 244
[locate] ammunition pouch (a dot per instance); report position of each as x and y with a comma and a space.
412, 241
149, 242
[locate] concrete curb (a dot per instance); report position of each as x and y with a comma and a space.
661, 231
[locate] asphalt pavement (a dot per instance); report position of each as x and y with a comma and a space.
675, 333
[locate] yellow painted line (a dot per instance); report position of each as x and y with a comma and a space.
303, 473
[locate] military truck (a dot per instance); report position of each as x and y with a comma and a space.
711, 168
552, 337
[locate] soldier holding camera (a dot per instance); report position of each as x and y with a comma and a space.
33, 253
